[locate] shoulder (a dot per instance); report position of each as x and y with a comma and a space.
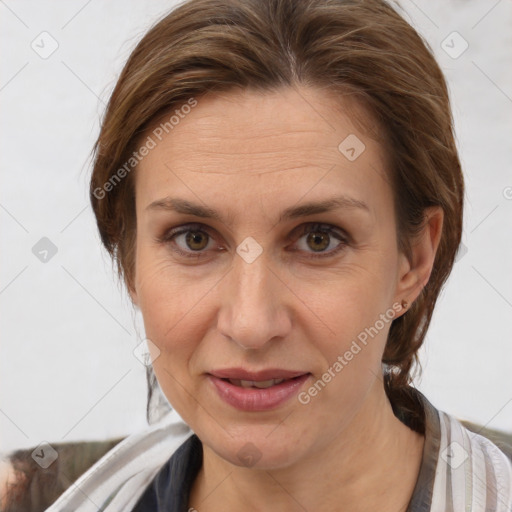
119, 478
462, 468
502, 440
475, 441
82, 471
471, 468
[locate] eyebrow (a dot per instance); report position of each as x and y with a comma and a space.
187, 207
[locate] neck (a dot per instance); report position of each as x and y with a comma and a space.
375, 460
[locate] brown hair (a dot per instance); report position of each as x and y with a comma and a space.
364, 47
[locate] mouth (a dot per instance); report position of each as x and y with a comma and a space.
256, 376
262, 384
257, 391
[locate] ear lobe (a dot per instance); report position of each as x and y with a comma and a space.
416, 272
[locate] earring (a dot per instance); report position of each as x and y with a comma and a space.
404, 304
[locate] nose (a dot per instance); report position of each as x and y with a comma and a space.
253, 309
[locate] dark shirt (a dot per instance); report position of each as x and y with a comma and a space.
170, 490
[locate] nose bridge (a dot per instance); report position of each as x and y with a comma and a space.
251, 311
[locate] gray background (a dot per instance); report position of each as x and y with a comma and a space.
67, 370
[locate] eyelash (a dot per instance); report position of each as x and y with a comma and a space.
169, 237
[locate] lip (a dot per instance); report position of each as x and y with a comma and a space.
267, 374
254, 399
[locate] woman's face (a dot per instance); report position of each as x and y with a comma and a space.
265, 250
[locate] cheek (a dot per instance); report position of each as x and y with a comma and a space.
170, 322
163, 300
353, 315
351, 354
350, 299
177, 312
162, 291
357, 335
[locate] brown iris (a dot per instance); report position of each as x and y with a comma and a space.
322, 239
194, 237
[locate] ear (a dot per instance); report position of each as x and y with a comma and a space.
414, 272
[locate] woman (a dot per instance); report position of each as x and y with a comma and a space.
278, 183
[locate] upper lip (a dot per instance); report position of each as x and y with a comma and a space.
261, 375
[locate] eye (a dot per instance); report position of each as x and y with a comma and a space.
193, 240
319, 237
189, 241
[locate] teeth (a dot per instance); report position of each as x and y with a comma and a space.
262, 384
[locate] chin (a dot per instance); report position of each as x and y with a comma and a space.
255, 448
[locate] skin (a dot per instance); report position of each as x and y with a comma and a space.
250, 155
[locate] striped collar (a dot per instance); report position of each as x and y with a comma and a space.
461, 471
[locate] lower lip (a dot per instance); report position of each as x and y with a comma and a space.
254, 399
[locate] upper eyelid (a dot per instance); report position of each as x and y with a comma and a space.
197, 226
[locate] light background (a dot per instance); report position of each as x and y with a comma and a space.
67, 371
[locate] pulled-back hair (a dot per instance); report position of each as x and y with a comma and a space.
362, 47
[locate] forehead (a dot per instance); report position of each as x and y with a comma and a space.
287, 141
